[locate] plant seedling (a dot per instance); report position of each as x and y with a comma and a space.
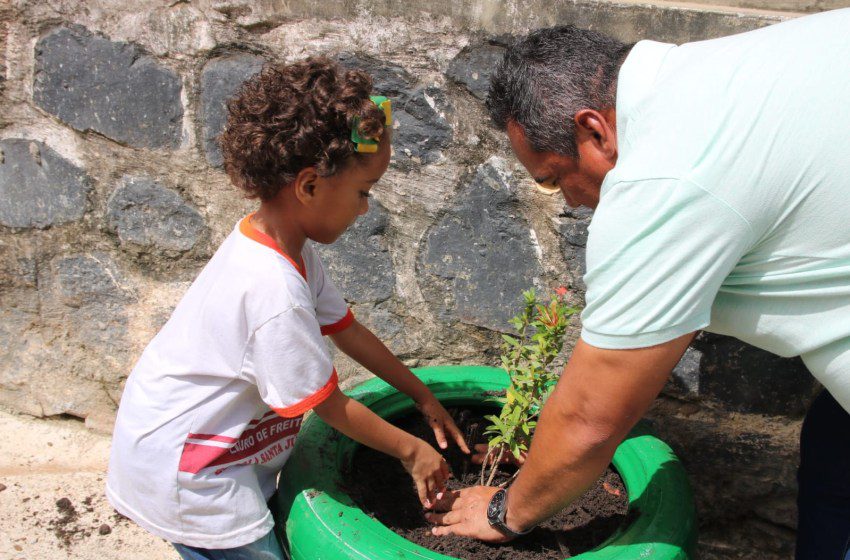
527, 358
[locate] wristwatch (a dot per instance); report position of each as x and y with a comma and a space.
496, 511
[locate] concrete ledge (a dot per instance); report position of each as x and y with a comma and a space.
626, 20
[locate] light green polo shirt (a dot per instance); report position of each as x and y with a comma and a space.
729, 207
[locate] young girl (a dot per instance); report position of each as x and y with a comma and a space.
211, 411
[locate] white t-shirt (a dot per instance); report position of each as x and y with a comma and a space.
729, 206
211, 411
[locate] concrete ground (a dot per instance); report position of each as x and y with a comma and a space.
52, 503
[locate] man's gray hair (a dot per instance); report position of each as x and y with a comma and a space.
548, 76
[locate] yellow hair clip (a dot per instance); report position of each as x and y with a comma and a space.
370, 145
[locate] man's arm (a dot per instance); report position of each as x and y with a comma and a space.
360, 344
599, 398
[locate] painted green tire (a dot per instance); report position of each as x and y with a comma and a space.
323, 523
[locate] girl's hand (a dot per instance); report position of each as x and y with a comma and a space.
441, 422
429, 471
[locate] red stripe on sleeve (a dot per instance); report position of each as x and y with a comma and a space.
339, 326
312, 401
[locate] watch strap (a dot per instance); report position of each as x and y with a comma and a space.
498, 520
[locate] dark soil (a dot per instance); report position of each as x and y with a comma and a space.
64, 526
382, 488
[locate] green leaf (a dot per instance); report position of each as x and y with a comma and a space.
515, 450
509, 340
492, 418
515, 417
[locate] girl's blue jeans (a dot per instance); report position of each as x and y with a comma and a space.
823, 531
266, 548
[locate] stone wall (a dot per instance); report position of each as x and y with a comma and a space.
112, 198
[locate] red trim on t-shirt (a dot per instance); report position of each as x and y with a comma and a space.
212, 437
248, 447
339, 326
312, 401
249, 231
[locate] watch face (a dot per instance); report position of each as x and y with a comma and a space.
495, 505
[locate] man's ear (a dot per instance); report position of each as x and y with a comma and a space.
304, 185
599, 128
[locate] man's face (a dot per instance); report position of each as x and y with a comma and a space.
579, 180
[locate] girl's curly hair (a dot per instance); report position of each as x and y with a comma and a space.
291, 116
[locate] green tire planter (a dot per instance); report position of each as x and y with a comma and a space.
323, 523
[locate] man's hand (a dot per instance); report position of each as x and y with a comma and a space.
441, 422
468, 515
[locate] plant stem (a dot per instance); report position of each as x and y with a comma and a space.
496, 466
508, 481
484, 465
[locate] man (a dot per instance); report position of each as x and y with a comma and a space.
721, 181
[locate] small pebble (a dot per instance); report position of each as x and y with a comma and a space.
104, 529
2, 487
18, 547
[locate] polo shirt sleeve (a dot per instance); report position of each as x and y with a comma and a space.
657, 253
332, 311
289, 362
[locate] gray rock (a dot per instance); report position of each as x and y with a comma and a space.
109, 87
747, 379
481, 250
38, 188
144, 213
743, 378
358, 262
686, 374
85, 280
421, 130
220, 80
85, 299
473, 66
16, 271
387, 325
573, 224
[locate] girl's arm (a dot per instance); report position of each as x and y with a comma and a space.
364, 347
427, 467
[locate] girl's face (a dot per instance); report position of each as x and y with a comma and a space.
338, 200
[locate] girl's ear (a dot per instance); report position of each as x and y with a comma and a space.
305, 184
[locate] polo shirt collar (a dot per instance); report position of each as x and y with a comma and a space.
635, 80
634, 83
